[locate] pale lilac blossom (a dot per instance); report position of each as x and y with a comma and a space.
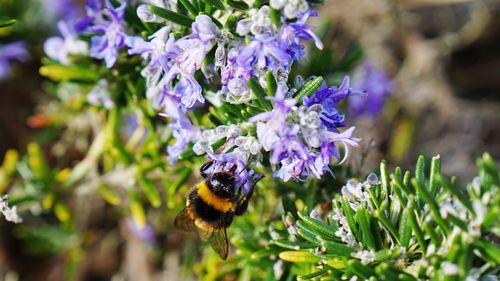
270, 124
61, 48
99, 95
184, 133
264, 54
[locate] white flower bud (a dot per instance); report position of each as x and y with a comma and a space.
200, 147
145, 14
9, 213
220, 55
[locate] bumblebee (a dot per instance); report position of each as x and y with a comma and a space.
212, 205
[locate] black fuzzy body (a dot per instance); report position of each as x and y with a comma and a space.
211, 216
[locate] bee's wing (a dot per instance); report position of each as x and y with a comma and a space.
218, 240
183, 221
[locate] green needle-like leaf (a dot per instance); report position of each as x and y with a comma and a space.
349, 214
309, 88
434, 177
136, 208
259, 93
239, 5
312, 275
69, 72
337, 248
287, 244
362, 271
433, 206
319, 227
301, 256
271, 83
412, 219
362, 217
171, 16
7, 23
307, 234
420, 171
150, 191
189, 6
217, 4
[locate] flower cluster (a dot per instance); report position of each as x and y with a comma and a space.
62, 48
303, 139
204, 58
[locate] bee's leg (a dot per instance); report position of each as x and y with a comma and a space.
205, 167
243, 205
233, 169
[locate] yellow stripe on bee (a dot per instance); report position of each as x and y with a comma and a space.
220, 204
203, 225
199, 222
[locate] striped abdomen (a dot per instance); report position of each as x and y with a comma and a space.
210, 210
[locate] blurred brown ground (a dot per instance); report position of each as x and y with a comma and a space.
445, 58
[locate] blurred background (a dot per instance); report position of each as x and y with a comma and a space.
443, 57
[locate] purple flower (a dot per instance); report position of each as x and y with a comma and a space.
9, 53
329, 98
60, 49
296, 159
264, 53
234, 78
184, 132
377, 86
160, 53
301, 140
170, 59
193, 49
271, 123
108, 23
145, 233
291, 34
328, 141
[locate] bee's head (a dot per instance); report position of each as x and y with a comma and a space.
223, 184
